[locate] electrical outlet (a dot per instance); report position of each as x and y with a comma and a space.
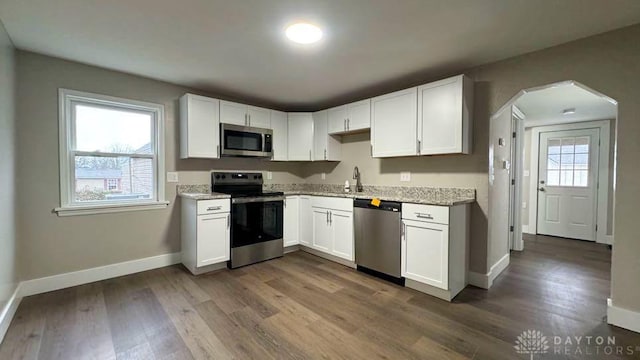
269, 175
405, 176
324, 176
172, 177
524, 204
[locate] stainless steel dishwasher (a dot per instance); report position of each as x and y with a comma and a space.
378, 239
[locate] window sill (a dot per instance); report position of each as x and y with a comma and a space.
110, 208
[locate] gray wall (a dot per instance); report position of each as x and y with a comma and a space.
52, 245
8, 277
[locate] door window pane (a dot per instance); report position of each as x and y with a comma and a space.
568, 161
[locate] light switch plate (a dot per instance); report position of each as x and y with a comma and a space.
525, 173
269, 175
323, 176
172, 177
524, 204
405, 176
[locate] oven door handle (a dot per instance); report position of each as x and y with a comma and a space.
257, 199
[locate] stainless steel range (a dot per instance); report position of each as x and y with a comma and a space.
256, 217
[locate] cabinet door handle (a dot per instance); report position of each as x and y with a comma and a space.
327, 217
348, 124
403, 230
418, 147
344, 124
325, 154
424, 216
330, 217
249, 115
214, 208
228, 220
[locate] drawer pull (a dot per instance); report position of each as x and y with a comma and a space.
214, 208
424, 216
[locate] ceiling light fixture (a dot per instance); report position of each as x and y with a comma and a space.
569, 111
304, 33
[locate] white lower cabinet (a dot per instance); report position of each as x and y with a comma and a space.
333, 226
426, 253
434, 248
305, 221
322, 234
291, 221
342, 234
212, 239
205, 234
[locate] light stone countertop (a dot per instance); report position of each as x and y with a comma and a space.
406, 194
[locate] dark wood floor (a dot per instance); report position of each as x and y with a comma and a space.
302, 306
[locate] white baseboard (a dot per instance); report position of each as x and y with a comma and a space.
6, 314
478, 279
61, 281
605, 239
623, 318
485, 281
525, 229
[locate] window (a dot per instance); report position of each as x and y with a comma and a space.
568, 161
111, 154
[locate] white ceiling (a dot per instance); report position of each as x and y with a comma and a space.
544, 107
238, 48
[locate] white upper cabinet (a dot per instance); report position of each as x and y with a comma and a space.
199, 127
259, 117
244, 115
280, 127
325, 146
337, 120
394, 128
350, 118
300, 138
444, 112
233, 113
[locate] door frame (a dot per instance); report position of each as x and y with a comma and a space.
602, 192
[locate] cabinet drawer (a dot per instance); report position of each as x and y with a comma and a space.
213, 206
333, 203
427, 213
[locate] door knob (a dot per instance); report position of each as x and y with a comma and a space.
542, 189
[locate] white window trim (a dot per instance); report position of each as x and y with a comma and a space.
67, 207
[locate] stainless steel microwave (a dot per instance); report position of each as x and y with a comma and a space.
237, 140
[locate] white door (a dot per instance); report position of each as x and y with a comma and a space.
300, 139
291, 221
320, 136
342, 227
359, 115
201, 127
306, 222
567, 183
233, 113
440, 117
212, 239
337, 120
394, 124
322, 236
259, 117
280, 128
425, 253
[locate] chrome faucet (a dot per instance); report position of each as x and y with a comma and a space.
356, 175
